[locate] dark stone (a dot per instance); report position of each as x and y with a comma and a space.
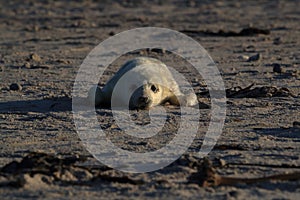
15, 86
277, 68
254, 58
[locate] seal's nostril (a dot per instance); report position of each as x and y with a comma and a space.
144, 99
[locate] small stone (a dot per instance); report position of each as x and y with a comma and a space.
277, 68
35, 28
296, 124
15, 86
222, 162
277, 41
243, 58
27, 65
255, 57
296, 73
234, 194
35, 57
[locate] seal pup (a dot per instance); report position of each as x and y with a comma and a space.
158, 86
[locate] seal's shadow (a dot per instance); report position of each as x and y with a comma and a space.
56, 104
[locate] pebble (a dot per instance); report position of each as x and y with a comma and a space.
244, 58
191, 3
222, 162
27, 65
15, 86
296, 124
35, 57
234, 194
277, 68
254, 57
296, 73
277, 41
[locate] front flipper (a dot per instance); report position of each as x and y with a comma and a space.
184, 100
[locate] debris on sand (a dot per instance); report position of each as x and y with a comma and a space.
56, 169
252, 31
263, 91
206, 176
41, 169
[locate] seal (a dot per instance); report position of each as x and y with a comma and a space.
147, 83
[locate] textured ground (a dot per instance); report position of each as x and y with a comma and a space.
42, 44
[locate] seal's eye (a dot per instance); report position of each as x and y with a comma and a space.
154, 89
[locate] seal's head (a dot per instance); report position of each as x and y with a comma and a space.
146, 96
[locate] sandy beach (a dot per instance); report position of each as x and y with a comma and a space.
255, 45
